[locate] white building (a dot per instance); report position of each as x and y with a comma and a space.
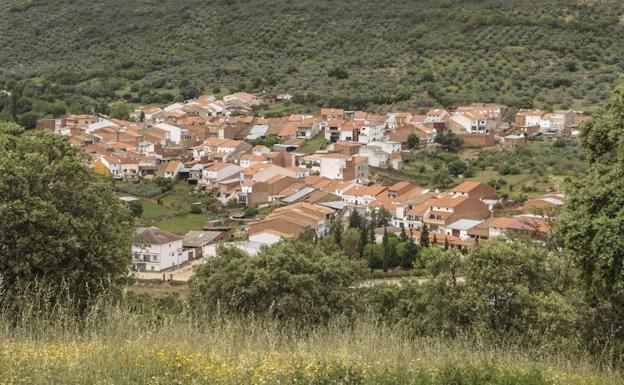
371, 133
251, 248
333, 165
460, 228
344, 168
436, 115
474, 123
363, 195
174, 134
377, 157
155, 250
220, 171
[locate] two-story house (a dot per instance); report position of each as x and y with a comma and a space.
154, 249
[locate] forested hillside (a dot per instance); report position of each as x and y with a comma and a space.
361, 53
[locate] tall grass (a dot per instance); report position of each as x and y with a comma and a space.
48, 342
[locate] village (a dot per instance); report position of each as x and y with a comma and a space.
294, 177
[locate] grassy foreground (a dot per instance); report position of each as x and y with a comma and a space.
122, 348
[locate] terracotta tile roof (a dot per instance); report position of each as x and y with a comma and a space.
451, 201
466, 187
373, 190
172, 166
219, 166
421, 209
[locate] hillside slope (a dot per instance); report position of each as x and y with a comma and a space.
352, 53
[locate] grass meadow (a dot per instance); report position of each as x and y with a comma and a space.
114, 345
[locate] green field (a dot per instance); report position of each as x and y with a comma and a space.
313, 145
152, 210
174, 214
183, 223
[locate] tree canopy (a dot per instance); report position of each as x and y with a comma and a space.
288, 281
590, 225
59, 222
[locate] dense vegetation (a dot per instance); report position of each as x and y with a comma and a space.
71, 57
536, 168
59, 222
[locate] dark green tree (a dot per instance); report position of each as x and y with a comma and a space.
513, 288
591, 222
336, 231
383, 217
120, 111
386, 250
350, 242
59, 223
363, 238
449, 141
288, 281
403, 236
424, 236
413, 141
355, 219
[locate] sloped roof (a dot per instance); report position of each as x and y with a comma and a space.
199, 238
155, 236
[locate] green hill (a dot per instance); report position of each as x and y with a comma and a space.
359, 53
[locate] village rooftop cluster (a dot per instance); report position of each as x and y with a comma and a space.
209, 143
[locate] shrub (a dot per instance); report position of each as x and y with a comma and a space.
289, 281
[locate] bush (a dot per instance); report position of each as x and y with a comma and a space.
251, 212
136, 207
142, 189
288, 281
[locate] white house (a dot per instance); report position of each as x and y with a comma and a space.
155, 250
436, 115
342, 167
371, 133
377, 157
251, 248
474, 122
380, 153
172, 169
200, 241
363, 195
260, 150
460, 228
220, 171
174, 134
145, 146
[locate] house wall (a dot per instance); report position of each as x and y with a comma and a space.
332, 168
160, 256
